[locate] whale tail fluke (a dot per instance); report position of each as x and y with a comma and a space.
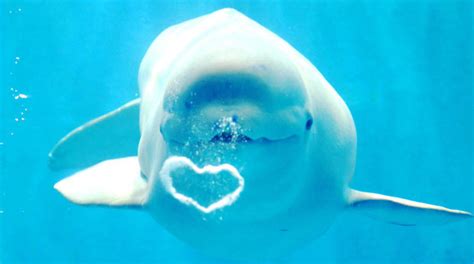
113, 135
402, 211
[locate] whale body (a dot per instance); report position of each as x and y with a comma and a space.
237, 145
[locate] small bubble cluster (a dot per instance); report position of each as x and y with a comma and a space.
20, 97
15, 11
228, 126
219, 144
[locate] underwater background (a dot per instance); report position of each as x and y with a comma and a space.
404, 68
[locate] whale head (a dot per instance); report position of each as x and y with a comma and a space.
250, 110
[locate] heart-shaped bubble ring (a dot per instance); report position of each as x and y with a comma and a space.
175, 162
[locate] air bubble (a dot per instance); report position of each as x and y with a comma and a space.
20, 96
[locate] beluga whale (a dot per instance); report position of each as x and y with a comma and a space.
237, 145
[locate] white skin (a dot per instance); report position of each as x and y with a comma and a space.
296, 128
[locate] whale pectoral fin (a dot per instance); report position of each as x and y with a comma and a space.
113, 135
116, 182
401, 211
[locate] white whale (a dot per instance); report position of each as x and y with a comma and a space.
244, 149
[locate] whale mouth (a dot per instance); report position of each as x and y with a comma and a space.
225, 131
227, 137
232, 138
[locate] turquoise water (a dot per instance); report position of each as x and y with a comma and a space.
404, 69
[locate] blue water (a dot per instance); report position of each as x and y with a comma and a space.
404, 68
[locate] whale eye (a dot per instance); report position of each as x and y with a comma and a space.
309, 123
188, 104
